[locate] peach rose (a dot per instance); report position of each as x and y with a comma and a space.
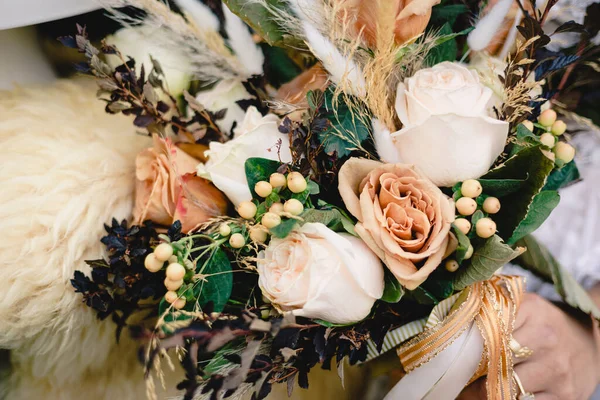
412, 17
167, 188
404, 218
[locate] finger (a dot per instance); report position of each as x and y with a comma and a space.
544, 396
525, 310
535, 376
475, 391
527, 336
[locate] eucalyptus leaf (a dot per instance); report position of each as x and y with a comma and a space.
533, 167
539, 210
539, 260
486, 260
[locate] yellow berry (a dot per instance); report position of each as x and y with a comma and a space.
547, 118
247, 209
237, 241
258, 234
152, 263
270, 220
224, 229
529, 125
547, 139
485, 228
471, 188
263, 188
293, 206
277, 180
469, 252
463, 225
564, 152
276, 208
175, 272
296, 182
171, 297
558, 128
179, 303
173, 285
491, 205
451, 265
466, 206
163, 251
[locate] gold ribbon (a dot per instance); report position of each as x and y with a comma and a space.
493, 306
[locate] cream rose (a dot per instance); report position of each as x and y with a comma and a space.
448, 132
224, 96
317, 273
168, 190
257, 136
140, 42
404, 218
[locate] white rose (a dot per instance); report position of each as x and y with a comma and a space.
448, 132
140, 43
257, 136
224, 95
318, 273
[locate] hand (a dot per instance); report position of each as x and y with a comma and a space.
565, 361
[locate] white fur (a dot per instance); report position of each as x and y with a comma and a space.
488, 26
201, 14
66, 168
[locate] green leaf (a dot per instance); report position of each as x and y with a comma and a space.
279, 67
347, 129
284, 228
446, 51
561, 177
501, 187
486, 260
540, 209
422, 296
531, 166
259, 18
393, 290
463, 244
442, 14
259, 169
331, 218
444, 38
524, 139
538, 259
219, 281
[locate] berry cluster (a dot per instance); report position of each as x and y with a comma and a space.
175, 272
552, 128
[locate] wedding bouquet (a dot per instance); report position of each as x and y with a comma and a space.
330, 180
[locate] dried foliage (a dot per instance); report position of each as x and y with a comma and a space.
141, 95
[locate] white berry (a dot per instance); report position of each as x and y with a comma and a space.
237, 241
463, 225
173, 285
163, 251
277, 180
152, 263
296, 182
466, 206
258, 234
171, 296
547, 139
564, 152
547, 118
270, 220
469, 252
179, 303
471, 188
247, 209
451, 265
263, 188
224, 229
491, 205
276, 208
528, 125
558, 128
293, 206
485, 228
175, 271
